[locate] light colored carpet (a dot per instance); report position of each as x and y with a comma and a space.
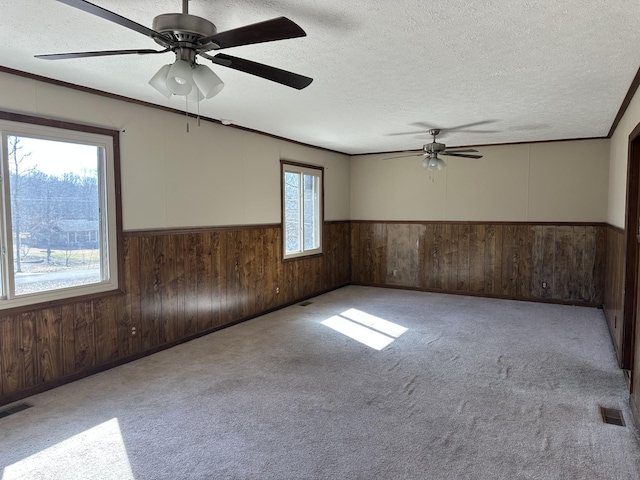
474, 388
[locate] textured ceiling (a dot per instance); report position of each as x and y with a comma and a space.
530, 70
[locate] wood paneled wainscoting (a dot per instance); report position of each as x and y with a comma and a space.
178, 284
562, 263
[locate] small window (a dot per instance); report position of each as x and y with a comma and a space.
301, 209
57, 213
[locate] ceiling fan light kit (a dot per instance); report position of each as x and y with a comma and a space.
196, 82
433, 163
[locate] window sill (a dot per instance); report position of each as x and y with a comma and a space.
302, 257
19, 309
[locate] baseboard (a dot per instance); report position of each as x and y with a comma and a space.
612, 334
485, 295
627, 377
635, 411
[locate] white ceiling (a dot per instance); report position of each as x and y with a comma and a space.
532, 70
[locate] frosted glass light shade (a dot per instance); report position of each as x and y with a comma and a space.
159, 81
433, 163
179, 78
207, 81
195, 95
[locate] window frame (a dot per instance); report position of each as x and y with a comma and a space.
109, 188
302, 168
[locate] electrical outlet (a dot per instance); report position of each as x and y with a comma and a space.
395, 273
544, 285
277, 290
133, 330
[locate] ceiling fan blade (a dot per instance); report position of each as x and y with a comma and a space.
415, 132
102, 53
115, 18
459, 128
451, 154
465, 150
447, 130
424, 125
275, 29
277, 75
405, 156
425, 133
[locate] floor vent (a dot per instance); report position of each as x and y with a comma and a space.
304, 304
14, 409
612, 416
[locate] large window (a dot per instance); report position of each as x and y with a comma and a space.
57, 213
301, 209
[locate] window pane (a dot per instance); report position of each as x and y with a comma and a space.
292, 212
55, 214
311, 212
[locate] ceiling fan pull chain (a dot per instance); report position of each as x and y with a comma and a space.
186, 111
198, 111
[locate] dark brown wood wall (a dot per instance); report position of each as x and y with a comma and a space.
614, 286
177, 285
182, 284
490, 259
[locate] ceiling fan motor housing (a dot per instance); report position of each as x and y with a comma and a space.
187, 29
434, 147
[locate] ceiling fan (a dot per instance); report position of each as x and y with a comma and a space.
190, 37
431, 150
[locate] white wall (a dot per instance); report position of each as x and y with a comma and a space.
618, 163
218, 175
212, 176
541, 182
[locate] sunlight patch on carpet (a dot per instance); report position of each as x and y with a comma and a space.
381, 325
372, 331
98, 449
